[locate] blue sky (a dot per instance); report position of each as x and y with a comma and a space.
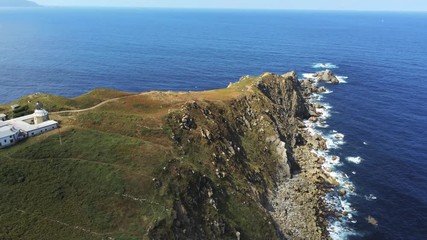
371, 5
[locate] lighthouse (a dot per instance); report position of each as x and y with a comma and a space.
40, 114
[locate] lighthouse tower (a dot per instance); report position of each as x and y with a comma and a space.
40, 114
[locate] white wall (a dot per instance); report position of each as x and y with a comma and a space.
42, 130
6, 141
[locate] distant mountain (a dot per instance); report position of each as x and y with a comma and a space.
18, 3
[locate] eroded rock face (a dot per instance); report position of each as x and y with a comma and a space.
256, 159
327, 76
280, 148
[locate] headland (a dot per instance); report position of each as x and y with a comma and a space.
232, 163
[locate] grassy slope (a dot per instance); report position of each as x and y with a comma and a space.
58, 103
93, 178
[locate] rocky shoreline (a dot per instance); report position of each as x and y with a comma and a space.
299, 205
243, 162
262, 137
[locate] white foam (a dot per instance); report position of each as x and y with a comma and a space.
309, 75
322, 125
342, 79
316, 97
338, 227
332, 142
365, 143
332, 161
339, 135
356, 160
339, 231
371, 197
324, 65
325, 111
354, 173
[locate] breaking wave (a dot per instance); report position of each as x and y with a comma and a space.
338, 199
342, 79
355, 160
324, 65
370, 197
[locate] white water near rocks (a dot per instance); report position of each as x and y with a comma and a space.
324, 65
355, 160
338, 199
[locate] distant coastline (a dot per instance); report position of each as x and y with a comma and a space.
18, 3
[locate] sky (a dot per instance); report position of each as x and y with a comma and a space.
363, 5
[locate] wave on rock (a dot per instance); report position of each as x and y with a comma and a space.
325, 65
371, 197
342, 79
355, 160
339, 198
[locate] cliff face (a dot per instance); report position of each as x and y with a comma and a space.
232, 163
241, 161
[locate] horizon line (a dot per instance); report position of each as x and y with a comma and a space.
227, 8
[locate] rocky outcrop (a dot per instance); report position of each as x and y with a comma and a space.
257, 177
327, 76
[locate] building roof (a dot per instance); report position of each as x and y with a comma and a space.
23, 123
7, 130
2, 124
23, 118
26, 127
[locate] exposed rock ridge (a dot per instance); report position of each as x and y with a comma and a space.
256, 177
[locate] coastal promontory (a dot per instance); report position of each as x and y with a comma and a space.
232, 163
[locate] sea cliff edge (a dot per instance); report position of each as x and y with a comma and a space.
233, 163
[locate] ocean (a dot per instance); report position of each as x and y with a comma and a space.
381, 109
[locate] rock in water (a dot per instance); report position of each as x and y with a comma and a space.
372, 221
328, 76
321, 89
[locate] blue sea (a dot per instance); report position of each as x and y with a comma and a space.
381, 109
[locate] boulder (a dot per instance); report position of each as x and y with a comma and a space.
327, 76
372, 221
321, 89
313, 119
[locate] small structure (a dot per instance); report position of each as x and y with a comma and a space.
16, 129
3, 117
14, 106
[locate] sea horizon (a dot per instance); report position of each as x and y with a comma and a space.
220, 9
379, 58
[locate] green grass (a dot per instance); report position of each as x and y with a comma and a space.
54, 103
249, 220
73, 192
79, 183
114, 171
80, 144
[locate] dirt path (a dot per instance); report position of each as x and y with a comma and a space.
96, 106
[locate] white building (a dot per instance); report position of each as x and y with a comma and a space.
8, 135
31, 125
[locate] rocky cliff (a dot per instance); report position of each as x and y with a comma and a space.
232, 163
258, 179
